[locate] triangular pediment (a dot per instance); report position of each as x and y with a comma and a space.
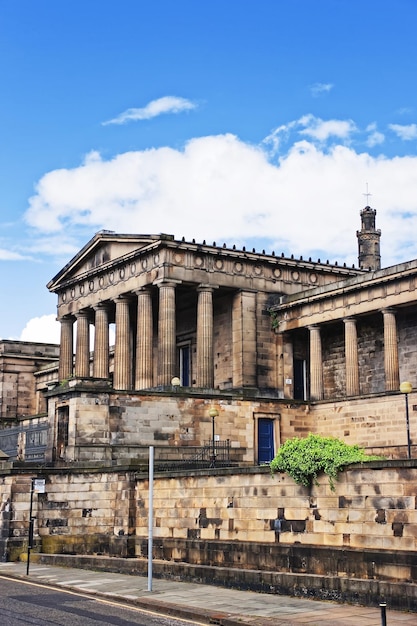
106, 247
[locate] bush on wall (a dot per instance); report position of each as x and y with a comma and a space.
304, 459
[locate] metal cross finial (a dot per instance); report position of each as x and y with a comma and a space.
367, 194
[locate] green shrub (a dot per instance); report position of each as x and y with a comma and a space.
303, 459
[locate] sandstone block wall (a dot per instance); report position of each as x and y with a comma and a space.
226, 517
369, 509
371, 422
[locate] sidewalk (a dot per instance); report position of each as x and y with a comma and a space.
207, 604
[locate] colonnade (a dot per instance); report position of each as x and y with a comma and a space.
391, 363
138, 375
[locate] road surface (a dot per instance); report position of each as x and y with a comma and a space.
30, 604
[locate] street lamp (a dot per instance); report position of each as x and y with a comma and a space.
213, 412
175, 383
407, 388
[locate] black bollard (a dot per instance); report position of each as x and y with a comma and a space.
383, 606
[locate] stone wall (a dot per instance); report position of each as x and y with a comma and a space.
371, 422
228, 518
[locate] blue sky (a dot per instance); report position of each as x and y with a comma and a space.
256, 123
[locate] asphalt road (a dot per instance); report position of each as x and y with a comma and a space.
26, 603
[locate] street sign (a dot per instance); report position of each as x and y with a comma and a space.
39, 485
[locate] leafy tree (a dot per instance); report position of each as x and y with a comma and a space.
303, 459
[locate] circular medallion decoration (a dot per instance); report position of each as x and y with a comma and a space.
156, 259
258, 270
295, 275
313, 278
111, 277
238, 267
133, 268
199, 261
144, 264
219, 264
82, 290
64, 297
277, 272
91, 285
72, 292
122, 273
178, 258
101, 281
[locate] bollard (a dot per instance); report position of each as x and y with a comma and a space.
383, 606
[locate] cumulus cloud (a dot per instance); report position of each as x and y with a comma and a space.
42, 329
219, 188
405, 132
318, 89
167, 104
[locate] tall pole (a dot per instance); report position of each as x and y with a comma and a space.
150, 517
213, 412
30, 539
407, 419
407, 388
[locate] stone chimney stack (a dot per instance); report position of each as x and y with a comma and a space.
369, 241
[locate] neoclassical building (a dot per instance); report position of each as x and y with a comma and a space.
182, 344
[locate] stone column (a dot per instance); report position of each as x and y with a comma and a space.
101, 342
205, 366
66, 351
122, 352
316, 364
392, 374
144, 341
82, 348
166, 333
351, 357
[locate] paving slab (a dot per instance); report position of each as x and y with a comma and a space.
208, 604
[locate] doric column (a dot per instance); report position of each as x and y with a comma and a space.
351, 357
122, 356
166, 333
82, 348
205, 367
144, 341
101, 342
392, 374
66, 350
316, 364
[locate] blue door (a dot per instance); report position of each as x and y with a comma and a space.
265, 440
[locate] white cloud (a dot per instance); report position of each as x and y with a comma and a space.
405, 132
221, 189
375, 138
42, 329
167, 104
322, 130
318, 89
9, 255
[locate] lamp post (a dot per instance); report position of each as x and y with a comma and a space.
213, 414
175, 383
407, 388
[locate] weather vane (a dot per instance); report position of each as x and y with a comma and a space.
367, 194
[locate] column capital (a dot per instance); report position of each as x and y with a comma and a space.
165, 282
349, 318
101, 305
388, 310
82, 313
206, 287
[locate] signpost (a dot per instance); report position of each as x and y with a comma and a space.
38, 485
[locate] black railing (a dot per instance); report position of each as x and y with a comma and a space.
196, 458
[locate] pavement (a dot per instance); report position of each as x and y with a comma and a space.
207, 604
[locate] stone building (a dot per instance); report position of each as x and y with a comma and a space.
217, 346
